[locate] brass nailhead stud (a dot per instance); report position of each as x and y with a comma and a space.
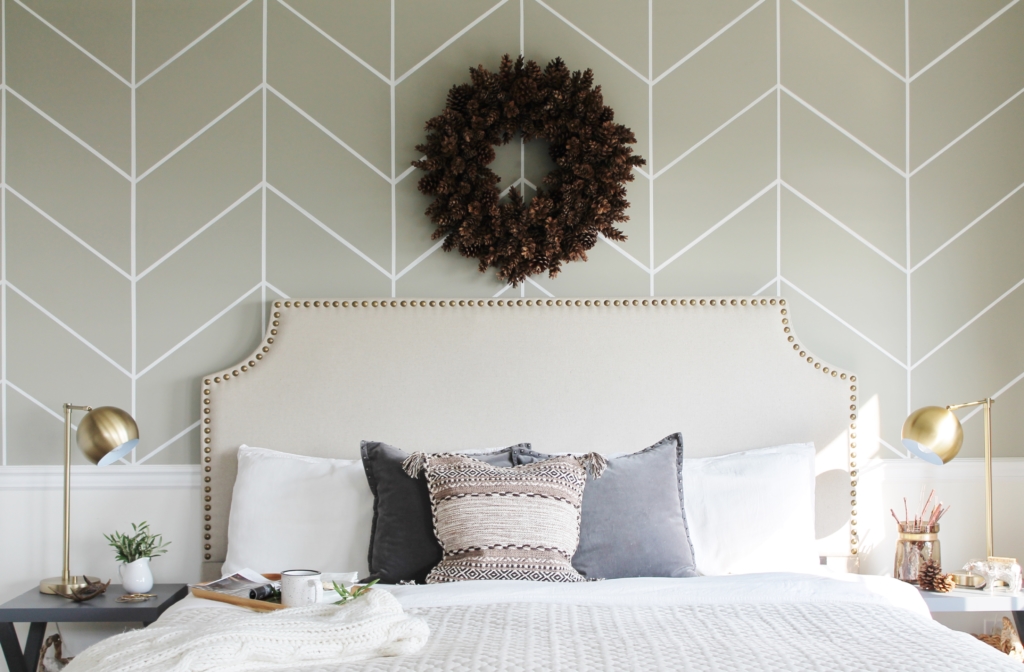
316, 304
713, 302
833, 373
206, 478
276, 323
549, 302
207, 489
674, 302
207, 556
783, 311
802, 353
364, 304
235, 372
785, 320
207, 449
206, 468
796, 346
206, 546
810, 360
206, 410
772, 302
335, 304
743, 302
733, 302
217, 379
206, 430
277, 304
206, 401
825, 370
273, 332
206, 391
442, 304
635, 302
207, 381
578, 303
207, 507
789, 338
244, 368
693, 302
306, 304
207, 517
206, 420
501, 302
374, 304
702, 302
207, 440
206, 536
287, 304
265, 349
344, 304
853, 378
520, 302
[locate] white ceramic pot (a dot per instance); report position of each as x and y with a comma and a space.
136, 577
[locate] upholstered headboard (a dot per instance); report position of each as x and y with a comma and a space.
612, 375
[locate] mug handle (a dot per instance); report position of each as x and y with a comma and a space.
318, 589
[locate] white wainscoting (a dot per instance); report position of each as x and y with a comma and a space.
168, 498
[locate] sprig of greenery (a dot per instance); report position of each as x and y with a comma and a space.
140, 544
349, 595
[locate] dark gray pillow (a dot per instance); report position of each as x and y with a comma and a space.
633, 521
402, 542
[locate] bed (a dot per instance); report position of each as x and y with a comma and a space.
576, 375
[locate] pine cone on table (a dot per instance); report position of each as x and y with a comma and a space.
943, 583
929, 576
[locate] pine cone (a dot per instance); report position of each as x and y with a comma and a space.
943, 583
929, 575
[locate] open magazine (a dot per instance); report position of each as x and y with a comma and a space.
245, 583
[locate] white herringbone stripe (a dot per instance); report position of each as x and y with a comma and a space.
394, 178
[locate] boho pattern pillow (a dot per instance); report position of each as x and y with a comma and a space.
497, 523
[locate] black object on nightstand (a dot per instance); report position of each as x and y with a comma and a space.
39, 609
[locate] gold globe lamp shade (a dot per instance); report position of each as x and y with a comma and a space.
105, 435
934, 434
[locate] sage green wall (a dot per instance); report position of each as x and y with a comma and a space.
171, 167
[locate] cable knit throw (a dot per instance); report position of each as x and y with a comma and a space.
241, 640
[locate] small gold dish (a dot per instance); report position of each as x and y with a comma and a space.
965, 580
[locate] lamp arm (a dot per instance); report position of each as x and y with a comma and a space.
980, 402
68, 408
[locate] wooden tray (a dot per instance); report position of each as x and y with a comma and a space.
255, 605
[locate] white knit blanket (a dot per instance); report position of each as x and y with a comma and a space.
237, 640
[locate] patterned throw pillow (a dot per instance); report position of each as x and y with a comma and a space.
500, 523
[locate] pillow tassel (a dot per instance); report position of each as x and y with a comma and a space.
594, 463
414, 464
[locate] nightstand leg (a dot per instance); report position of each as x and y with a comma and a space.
36, 633
12, 648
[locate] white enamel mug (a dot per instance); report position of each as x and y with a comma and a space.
301, 587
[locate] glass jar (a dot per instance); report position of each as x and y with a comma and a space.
913, 550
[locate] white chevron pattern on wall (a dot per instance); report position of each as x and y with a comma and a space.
389, 168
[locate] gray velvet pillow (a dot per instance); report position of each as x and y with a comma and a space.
633, 521
402, 542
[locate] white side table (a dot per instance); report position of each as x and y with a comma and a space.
973, 599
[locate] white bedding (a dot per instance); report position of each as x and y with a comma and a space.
735, 623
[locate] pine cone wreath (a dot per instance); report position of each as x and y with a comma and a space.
930, 576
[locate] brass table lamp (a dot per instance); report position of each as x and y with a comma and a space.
105, 435
934, 434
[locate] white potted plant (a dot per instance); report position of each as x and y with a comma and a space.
134, 552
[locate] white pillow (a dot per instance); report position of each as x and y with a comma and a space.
752, 511
296, 512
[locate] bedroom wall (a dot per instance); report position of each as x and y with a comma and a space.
168, 168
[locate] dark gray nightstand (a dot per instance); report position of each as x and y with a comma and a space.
38, 609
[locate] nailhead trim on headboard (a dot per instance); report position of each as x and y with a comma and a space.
754, 302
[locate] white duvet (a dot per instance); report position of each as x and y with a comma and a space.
795, 622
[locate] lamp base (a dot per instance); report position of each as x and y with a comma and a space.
56, 586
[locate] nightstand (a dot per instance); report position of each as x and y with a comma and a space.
973, 599
38, 609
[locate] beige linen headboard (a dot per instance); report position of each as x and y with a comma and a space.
612, 375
